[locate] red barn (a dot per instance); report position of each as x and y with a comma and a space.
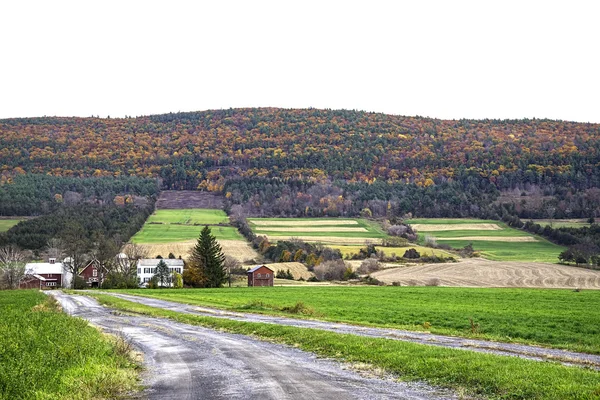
260, 276
93, 274
33, 282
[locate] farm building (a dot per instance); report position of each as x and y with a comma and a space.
46, 275
260, 276
93, 274
146, 267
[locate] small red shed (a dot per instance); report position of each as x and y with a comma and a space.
260, 276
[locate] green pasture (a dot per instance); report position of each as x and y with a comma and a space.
167, 226
469, 374
46, 354
558, 318
539, 251
167, 233
189, 216
6, 224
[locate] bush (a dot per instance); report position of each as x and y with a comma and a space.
412, 254
330, 270
368, 266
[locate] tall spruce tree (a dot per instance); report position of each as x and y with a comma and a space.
208, 257
162, 274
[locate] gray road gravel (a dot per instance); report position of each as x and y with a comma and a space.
190, 362
508, 349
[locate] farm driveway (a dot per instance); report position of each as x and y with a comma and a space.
190, 362
507, 349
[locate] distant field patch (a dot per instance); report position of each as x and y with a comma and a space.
388, 251
6, 224
238, 249
563, 223
188, 216
507, 239
311, 222
328, 239
477, 272
297, 269
310, 229
329, 231
454, 227
504, 244
165, 233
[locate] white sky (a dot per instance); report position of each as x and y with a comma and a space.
443, 59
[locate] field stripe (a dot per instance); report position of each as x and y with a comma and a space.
456, 227
324, 222
322, 229
491, 238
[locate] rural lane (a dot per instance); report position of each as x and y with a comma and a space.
189, 362
536, 353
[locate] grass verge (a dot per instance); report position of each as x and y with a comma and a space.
46, 354
464, 371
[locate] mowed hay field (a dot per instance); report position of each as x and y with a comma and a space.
329, 231
177, 230
493, 239
478, 272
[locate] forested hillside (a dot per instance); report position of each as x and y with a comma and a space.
323, 162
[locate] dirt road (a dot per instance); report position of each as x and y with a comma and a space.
508, 349
189, 362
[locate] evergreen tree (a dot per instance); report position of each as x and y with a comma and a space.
208, 257
162, 274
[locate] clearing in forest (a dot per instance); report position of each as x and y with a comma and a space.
504, 244
7, 223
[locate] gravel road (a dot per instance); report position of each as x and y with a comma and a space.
508, 349
190, 362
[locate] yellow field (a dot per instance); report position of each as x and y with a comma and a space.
399, 251
455, 227
238, 249
297, 269
478, 272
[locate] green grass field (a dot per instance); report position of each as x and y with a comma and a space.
168, 233
46, 354
540, 250
6, 224
558, 318
371, 229
467, 373
189, 216
168, 226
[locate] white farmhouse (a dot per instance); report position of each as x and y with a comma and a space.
146, 267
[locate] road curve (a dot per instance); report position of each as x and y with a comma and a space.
187, 362
536, 353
